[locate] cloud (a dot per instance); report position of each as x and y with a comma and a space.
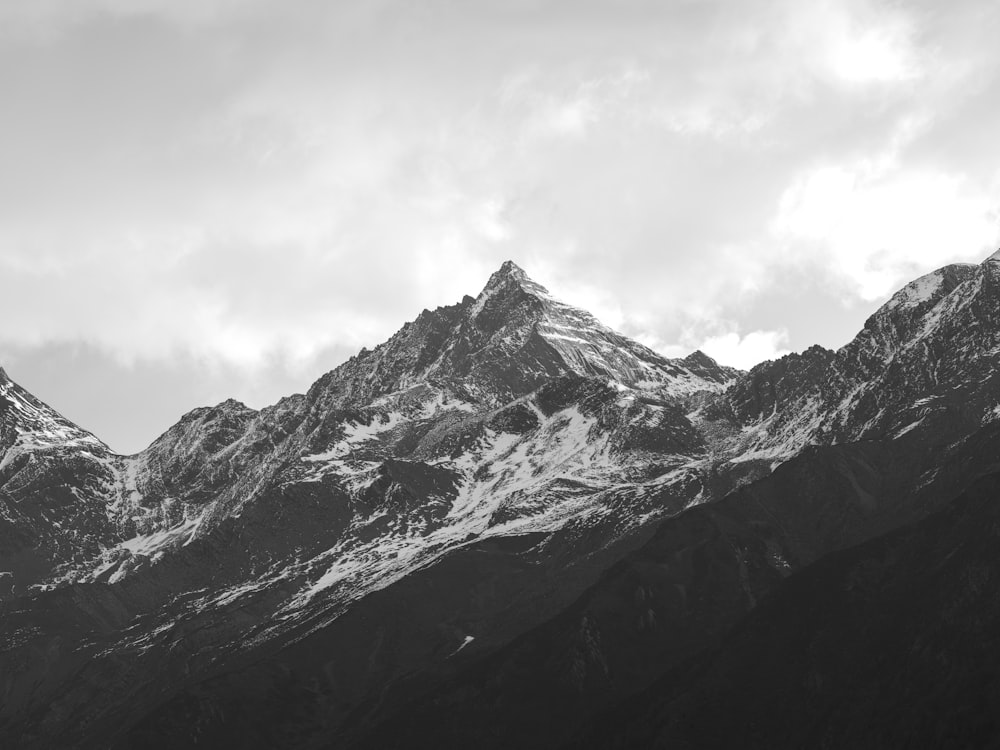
549, 106
856, 43
46, 20
878, 227
746, 351
230, 183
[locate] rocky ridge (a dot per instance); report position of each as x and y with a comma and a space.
509, 431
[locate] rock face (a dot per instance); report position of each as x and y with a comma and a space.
921, 355
505, 343
54, 480
504, 515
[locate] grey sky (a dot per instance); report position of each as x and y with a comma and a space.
211, 198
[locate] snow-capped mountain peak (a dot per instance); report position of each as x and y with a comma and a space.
511, 274
508, 271
491, 455
28, 424
503, 344
929, 287
519, 316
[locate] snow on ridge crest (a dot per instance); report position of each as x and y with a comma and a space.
39, 426
917, 291
508, 274
589, 347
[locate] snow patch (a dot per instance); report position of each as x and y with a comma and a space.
158, 541
468, 639
917, 291
909, 428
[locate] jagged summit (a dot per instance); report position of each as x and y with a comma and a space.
183, 593
509, 278
508, 341
583, 344
508, 273
509, 269
929, 288
28, 424
707, 367
232, 404
698, 357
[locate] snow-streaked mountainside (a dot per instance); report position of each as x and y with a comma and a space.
28, 425
478, 471
454, 393
55, 479
505, 343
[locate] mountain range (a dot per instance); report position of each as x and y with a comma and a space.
511, 526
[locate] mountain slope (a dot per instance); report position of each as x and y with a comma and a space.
54, 478
474, 423
931, 350
678, 594
505, 343
890, 644
304, 574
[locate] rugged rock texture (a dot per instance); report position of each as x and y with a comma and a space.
682, 592
507, 510
237, 532
503, 344
54, 480
929, 352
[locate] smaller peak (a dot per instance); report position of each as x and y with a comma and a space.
508, 271
4, 378
509, 275
510, 268
698, 357
926, 291
232, 403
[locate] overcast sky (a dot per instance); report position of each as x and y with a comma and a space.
211, 198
